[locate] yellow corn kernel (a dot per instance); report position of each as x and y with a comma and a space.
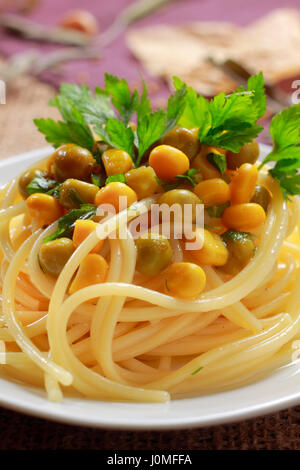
244, 217
43, 209
82, 229
92, 270
213, 192
185, 280
116, 161
168, 161
143, 181
201, 163
242, 185
213, 251
111, 194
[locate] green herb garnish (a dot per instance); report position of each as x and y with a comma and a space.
217, 211
74, 196
73, 128
67, 222
119, 177
41, 184
81, 110
284, 129
196, 371
227, 121
188, 175
218, 160
169, 185
236, 236
98, 180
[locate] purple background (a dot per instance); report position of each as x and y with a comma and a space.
116, 58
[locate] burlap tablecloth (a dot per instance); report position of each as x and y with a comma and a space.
279, 431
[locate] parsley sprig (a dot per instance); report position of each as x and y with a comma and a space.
67, 222
226, 122
108, 112
285, 132
41, 184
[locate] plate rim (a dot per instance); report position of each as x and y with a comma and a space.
55, 411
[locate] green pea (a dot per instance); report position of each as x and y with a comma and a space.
55, 254
154, 254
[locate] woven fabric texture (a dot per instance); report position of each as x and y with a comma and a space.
280, 431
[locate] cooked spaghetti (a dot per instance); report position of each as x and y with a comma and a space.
142, 318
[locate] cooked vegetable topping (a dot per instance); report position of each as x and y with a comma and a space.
244, 217
213, 192
208, 169
154, 253
54, 255
72, 161
92, 270
167, 162
183, 139
261, 196
213, 251
241, 248
116, 161
110, 144
248, 154
243, 184
185, 280
82, 229
182, 197
34, 181
143, 181
67, 222
111, 194
73, 193
43, 209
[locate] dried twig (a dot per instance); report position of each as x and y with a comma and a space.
35, 31
35, 63
134, 12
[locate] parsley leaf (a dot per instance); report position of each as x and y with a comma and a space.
96, 108
74, 128
188, 175
256, 83
285, 132
176, 104
150, 127
67, 222
119, 177
169, 185
217, 211
236, 236
218, 160
75, 197
125, 102
227, 121
118, 135
40, 184
98, 179
197, 370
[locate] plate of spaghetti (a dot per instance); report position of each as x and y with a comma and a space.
150, 260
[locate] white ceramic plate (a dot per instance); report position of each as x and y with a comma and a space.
276, 392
